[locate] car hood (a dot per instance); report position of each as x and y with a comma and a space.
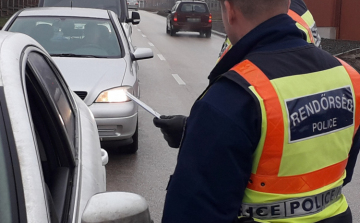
92, 75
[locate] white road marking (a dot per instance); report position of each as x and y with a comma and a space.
139, 30
161, 57
178, 79
151, 44
143, 35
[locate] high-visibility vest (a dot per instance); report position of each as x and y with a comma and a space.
305, 23
224, 49
306, 135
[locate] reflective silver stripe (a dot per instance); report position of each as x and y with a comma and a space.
292, 207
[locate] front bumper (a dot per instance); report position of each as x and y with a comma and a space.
115, 121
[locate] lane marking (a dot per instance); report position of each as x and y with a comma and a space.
178, 79
161, 57
151, 44
139, 30
143, 35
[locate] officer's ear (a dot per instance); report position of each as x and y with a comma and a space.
230, 12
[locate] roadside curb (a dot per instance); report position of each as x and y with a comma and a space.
218, 33
349, 51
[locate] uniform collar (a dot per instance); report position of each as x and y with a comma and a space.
260, 39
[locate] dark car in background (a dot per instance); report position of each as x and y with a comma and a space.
133, 4
191, 16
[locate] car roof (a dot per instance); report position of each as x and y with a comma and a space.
11, 52
66, 11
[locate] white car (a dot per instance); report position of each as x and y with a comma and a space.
99, 64
117, 6
51, 164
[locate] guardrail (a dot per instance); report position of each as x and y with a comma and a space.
8, 7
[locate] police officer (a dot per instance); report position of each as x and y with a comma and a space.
274, 137
304, 21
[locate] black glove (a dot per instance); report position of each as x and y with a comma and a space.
172, 127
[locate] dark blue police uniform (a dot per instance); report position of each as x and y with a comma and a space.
223, 131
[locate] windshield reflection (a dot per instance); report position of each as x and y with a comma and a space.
68, 36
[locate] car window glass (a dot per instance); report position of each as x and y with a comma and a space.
192, 7
56, 92
68, 36
175, 6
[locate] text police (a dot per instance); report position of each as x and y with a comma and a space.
320, 113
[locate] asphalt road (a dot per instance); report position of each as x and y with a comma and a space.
170, 83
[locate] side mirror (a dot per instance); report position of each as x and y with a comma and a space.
116, 207
104, 157
142, 53
135, 18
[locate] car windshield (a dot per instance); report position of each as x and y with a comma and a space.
71, 37
193, 7
113, 5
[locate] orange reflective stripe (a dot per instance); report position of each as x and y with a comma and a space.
302, 22
355, 79
298, 183
266, 178
270, 160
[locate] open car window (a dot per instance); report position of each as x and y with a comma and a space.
71, 37
54, 127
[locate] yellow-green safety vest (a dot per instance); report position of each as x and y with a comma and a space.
299, 164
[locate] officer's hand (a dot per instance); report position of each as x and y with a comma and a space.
172, 127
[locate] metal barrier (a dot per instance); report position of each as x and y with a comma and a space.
8, 7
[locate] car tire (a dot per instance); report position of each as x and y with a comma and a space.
172, 31
134, 146
208, 34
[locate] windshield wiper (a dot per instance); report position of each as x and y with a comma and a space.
75, 55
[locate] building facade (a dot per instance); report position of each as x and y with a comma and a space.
336, 19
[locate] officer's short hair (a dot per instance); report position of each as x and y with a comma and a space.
252, 8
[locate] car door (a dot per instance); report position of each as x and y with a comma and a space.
129, 49
67, 140
33, 103
12, 203
170, 17
55, 128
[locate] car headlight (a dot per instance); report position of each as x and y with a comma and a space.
114, 95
